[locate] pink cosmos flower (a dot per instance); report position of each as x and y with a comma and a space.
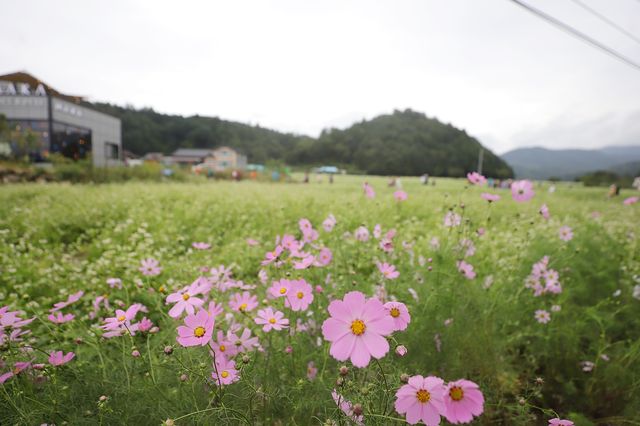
251, 242
73, 298
386, 244
400, 195
490, 197
463, 400
312, 370
422, 399
215, 309
566, 234
476, 178
361, 234
150, 267
290, 243
145, 325
401, 350
560, 422
244, 302
201, 246
377, 231
224, 371
223, 345
452, 219
197, 330
280, 288
300, 295
356, 329
631, 200
542, 316
120, 323
544, 211
186, 300
522, 190
244, 342
400, 314
368, 190
271, 320
329, 223
324, 257
114, 282
347, 408
306, 261
59, 318
388, 271
466, 269
272, 256
58, 358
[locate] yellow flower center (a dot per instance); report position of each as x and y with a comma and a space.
222, 348
395, 312
199, 331
423, 396
161, 289
238, 342
224, 374
283, 290
272, 320
243, 307
300, 295
456, 393
185, 296
121, 318
358, 327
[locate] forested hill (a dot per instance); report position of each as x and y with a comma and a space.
402, 143
145, 130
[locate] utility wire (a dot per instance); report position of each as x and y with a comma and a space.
572, 31
607, 20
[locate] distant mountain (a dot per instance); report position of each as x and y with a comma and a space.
542, 163
402, 143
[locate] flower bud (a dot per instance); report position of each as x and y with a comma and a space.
344, 370
184, 377
168, 350
135, 353
404, 378
357, 409
401, 350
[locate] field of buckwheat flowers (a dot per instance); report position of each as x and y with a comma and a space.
291, 304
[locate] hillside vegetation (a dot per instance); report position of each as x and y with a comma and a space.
401, 143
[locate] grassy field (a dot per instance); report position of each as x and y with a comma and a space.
55, 240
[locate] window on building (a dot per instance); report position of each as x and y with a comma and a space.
111, 151
70, 141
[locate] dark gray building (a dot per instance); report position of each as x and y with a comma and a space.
57, 123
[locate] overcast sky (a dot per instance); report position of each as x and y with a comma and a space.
487, 66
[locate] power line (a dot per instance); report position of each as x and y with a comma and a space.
572, 31
607, 20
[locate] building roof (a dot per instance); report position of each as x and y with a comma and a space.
192, 152
24, 77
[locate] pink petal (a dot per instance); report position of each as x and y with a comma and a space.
333, 329
343, 347
376, 345
360, 356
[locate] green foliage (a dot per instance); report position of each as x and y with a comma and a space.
405, 143
606, 178
56, 239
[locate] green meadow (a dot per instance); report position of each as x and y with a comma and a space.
583, 364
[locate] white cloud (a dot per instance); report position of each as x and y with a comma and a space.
489, 67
